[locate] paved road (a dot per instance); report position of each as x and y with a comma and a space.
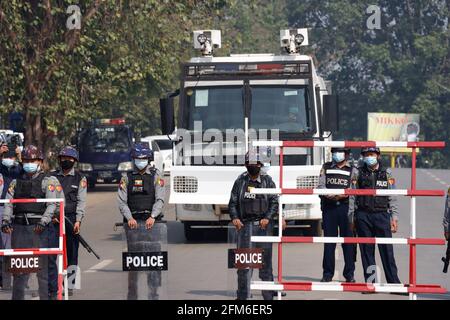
198, 270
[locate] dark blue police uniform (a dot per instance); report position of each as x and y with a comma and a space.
335, 219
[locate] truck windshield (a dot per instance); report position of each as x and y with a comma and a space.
283, 108
216, 107
164, 144
105, 139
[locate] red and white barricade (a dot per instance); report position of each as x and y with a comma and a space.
412, 287
60, 251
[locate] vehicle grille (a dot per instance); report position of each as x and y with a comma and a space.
185, 184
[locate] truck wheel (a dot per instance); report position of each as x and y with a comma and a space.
315, 230
192, 234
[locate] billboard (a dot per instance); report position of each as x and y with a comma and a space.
393, 127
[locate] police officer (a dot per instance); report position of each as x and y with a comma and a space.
335, 213
252, 215
141, 201
375, 216
10, 169
30, 223
74, 186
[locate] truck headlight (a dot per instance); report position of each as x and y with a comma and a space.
192, 207
85, 166
125, 166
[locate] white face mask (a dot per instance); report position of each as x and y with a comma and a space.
9, 163
338, 156
141, 163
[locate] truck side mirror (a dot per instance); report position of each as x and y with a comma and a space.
167, 115
330, 115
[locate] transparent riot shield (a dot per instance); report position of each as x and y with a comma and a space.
145, 262
249, 261
29, 276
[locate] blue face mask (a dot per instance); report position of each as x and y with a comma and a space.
30, 167
141, 163
370, 161
9, 163
338, 156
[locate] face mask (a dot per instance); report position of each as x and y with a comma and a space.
30, 167
370, 161
253, 170
67, 164
141, 163
9, 163
338, 156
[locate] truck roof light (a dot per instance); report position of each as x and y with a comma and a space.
116, 121
207, 41
292, 40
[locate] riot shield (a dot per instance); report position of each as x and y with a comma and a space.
29, 276
249, 261
145, 261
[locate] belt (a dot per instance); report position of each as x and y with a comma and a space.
26, 221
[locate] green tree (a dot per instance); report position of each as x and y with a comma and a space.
402, 67
125, 54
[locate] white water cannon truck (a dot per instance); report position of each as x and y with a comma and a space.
258, 97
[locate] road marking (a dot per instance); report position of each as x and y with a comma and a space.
99, 266
437, 178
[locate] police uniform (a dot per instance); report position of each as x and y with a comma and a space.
24, 217
250, 209
74, 188
373, 215
141, 196
7, 176
335, 218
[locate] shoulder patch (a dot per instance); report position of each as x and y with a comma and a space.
160, 181
51, 187
59, 188
12, 185
83, 183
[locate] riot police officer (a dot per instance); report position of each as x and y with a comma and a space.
74, 186
335, 213
141, 200
252, 215
30, 223
376, 216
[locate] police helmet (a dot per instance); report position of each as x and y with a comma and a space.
370, 149
69, 152
142, 151
340, 149
31, 152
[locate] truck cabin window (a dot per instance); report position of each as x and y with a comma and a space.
280, 108
105, 139
217, 108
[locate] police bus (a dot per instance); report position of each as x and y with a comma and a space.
264, 96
